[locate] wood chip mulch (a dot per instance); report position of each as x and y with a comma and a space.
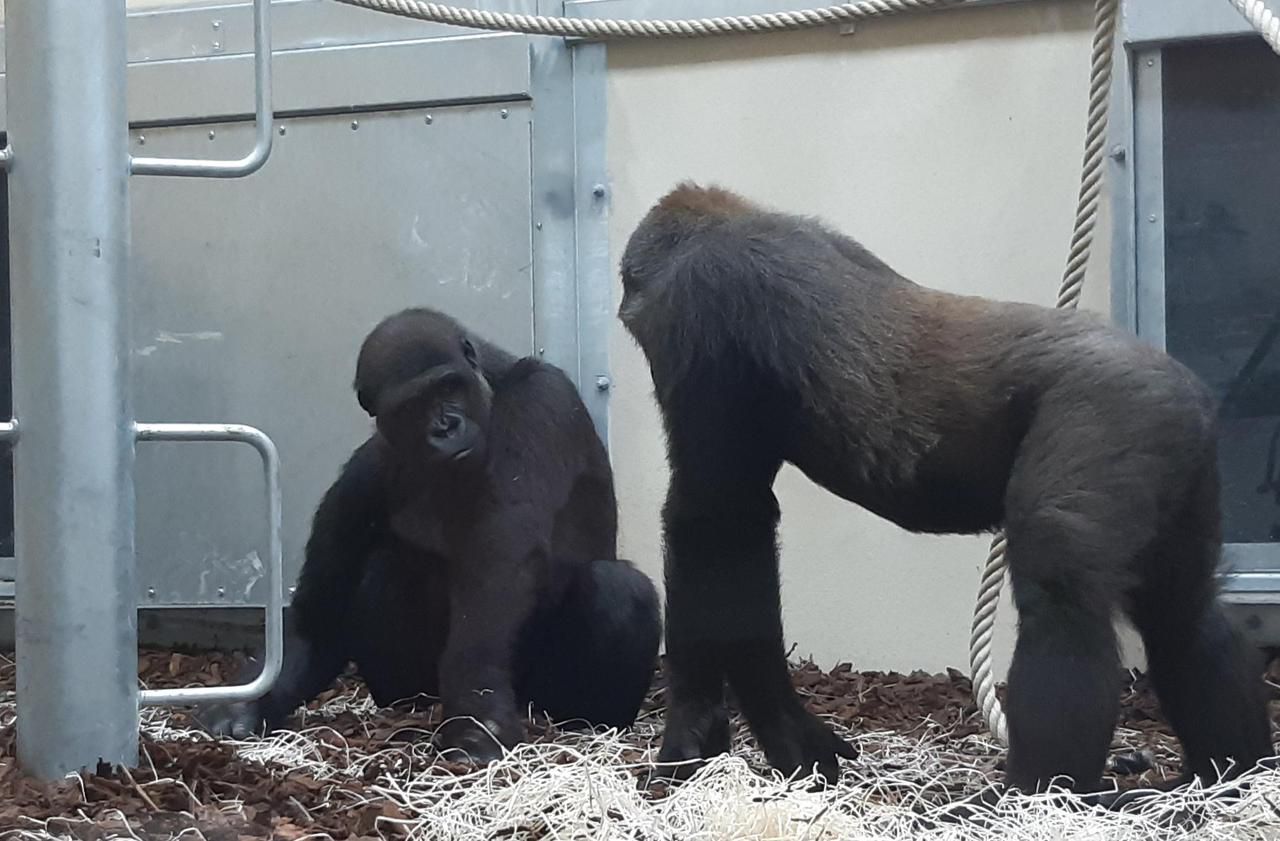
206, 785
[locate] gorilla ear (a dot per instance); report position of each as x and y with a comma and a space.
469, 353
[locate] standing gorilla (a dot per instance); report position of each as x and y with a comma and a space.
463, 550
773, 338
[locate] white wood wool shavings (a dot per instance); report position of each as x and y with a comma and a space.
583, 787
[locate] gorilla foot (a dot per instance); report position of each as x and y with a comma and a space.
691, 738
797, 740
466, 739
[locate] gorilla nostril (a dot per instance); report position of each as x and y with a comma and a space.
447, 425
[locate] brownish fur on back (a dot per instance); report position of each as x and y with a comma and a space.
689, 197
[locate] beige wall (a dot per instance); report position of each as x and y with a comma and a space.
950, 144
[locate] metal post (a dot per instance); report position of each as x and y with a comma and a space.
76, 624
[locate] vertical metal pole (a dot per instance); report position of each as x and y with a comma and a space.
74, 508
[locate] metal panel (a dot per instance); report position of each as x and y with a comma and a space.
667, 9
1151, 21
554, 161
1148, 209
468, 69
252, 297
594, 268
227, 29
1119, 176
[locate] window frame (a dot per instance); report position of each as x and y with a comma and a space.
1136, 174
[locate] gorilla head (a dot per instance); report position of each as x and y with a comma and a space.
419, 376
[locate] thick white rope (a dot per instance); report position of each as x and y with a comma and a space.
984, 615
1262, 19
616, 29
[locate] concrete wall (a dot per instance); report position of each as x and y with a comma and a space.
950, 144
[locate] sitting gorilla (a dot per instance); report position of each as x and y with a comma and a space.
466, 551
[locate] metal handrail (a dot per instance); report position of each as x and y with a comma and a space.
274, 653
198, 168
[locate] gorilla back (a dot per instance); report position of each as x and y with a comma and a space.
466, 550
774, 338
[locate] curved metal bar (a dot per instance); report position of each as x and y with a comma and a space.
251, 163
274, 653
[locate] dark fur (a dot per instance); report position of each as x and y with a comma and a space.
773, 338
477, 573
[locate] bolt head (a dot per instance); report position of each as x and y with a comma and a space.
598, 191
355, 124
504, 113
603, 383
428, 119
282, 131
211, 135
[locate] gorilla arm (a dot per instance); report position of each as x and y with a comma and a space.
493, 588
348, 524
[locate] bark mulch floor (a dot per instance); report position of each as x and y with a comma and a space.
183, 784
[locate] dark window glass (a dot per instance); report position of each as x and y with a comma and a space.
1222, 258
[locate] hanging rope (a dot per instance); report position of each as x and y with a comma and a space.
616, 29
1262, 19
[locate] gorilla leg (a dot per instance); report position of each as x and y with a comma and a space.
1208, 686
724, 613
1075, 520
1064, 682
591, 658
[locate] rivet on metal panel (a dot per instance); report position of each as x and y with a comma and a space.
355, 124
542, 351
282, 131
293, 590
428, 119
142, 140
505, 113
217, 24
216, 46
151, 592
598, 191
1118, 153
212, 135
538, 225
1151, 62
222, 592
603, 383
1151, 218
